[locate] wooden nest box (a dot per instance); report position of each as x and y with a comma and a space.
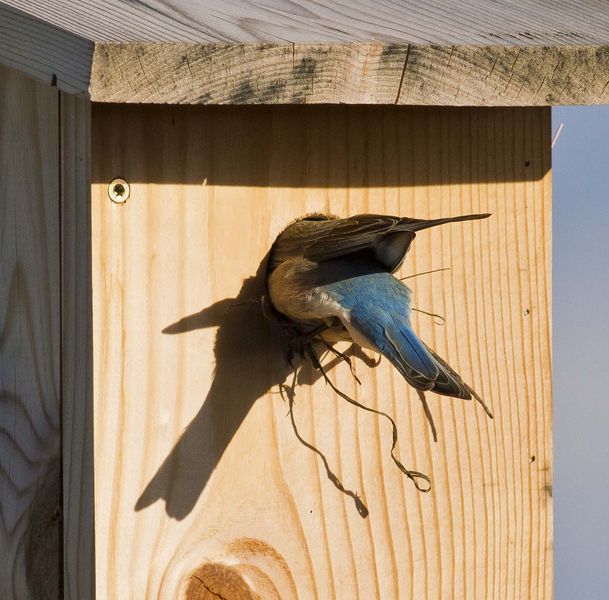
150, 153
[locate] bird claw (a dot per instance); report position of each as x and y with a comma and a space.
300, 342
295, 355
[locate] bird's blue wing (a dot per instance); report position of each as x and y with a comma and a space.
383, 321
378, 308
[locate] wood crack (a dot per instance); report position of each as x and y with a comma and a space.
397, 97
209, 589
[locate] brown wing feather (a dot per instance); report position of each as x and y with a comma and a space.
324, 240
319, 237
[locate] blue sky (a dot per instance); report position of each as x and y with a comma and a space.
581, 352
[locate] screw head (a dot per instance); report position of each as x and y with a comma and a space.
119, 190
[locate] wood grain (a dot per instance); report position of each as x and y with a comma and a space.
447, 52
201, 486
436, 22
364, 73
30, 485
45, 52
76, 350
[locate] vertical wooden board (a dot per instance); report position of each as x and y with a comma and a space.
201, 486
30, 485
76, 367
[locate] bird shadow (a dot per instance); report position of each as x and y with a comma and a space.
251, 357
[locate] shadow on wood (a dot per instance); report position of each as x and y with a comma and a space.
332, 147
247, 344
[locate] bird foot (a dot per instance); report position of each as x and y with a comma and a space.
300, 342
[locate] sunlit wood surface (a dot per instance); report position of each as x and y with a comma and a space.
202, 489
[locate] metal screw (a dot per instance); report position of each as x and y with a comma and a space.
119, 190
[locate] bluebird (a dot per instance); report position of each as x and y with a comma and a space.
333, 279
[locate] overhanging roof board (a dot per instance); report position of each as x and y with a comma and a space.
453, 52
428, 22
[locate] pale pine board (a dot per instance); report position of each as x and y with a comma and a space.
30, 484
242, 500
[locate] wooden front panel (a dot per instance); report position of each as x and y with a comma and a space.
201, 486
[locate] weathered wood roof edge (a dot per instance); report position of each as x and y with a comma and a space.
363, 73
194, 72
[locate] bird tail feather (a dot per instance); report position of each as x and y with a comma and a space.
427, 223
